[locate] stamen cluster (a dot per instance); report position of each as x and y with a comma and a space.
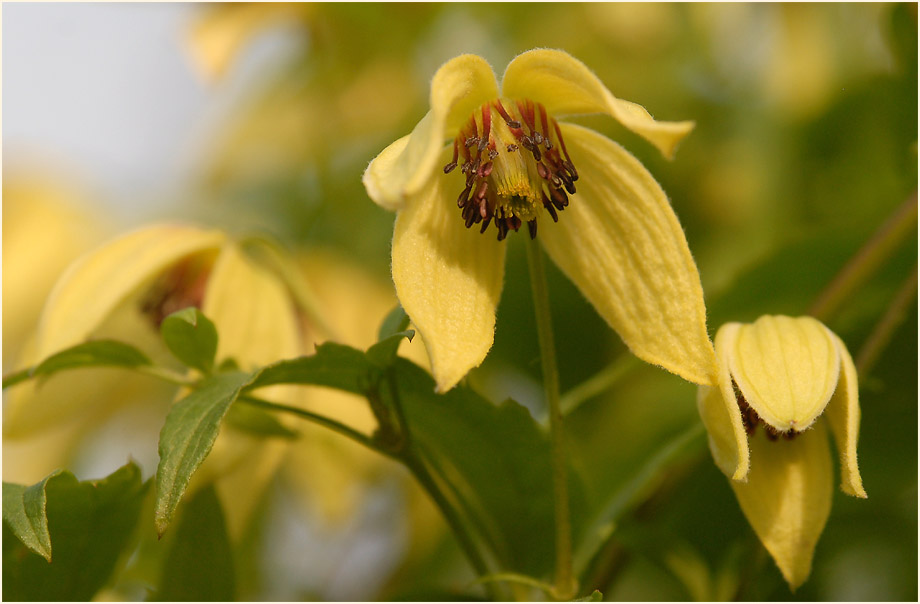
513, 166
751, 419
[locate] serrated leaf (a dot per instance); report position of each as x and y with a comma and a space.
333, 365
383, 352
96, 353
24, 512
187, 437
199, 566
90, 524
497, 462
191, 337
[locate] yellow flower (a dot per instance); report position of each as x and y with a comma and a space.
779, 377
603, 219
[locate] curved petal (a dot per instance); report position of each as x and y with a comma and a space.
787, 497
843, 414
786, 369
403, 169
721, 415
448, 279
565, 85
94, 285
620, 242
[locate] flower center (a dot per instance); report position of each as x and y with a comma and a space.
515, 162
751, 419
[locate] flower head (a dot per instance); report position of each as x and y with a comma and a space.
779, 378
600, 215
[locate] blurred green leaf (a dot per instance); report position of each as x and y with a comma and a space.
89, 524
97, 353
595, 596
496, 462
192, 337
199, 566
392, 331
257, 422
187, 437
333, 365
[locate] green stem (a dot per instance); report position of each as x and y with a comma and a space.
167, 375
867, 259
322, 420
565, 580
886, 326
598, 383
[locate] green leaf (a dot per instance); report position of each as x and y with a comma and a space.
192, 337
595, 596
496, 460
96, 353
333, 365
395, 322
199, 566
89, 523
383, 352
24, 512
187, 437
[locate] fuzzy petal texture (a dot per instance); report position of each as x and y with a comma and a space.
721, 415
448, 279
787, 498
403, 169
620, 242
843, 414
786, 368
565, 85
93, 286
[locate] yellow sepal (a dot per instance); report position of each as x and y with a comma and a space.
620, 242
448, 279
787, 497
786, 368
843, 414
406, 166
565, 85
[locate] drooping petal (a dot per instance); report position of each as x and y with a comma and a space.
787, 497
402, 169
448, 279
843, 414
566, 86
620, 242
786, 368
100, 280
721, 415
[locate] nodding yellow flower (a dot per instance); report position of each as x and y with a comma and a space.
782, 381
602, 217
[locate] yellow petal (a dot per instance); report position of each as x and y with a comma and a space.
786, 369
252, 310
620, 242
403, 169
448, 279
93, 286
566, 86
787, 497
843, 414
721, 415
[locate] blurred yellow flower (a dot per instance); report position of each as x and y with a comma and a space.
783, 375
124, 290
619, 240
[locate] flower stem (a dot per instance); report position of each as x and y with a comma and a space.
885, 328
565, 580
867, 259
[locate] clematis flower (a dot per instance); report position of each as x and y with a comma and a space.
782, 382
602, 218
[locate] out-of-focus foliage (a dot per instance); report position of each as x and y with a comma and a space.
805, 144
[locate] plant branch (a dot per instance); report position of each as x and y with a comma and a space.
885, 328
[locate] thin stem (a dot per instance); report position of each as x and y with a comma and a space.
598, 383
565, 580
885, 328
322, 420
867, 259
167, 375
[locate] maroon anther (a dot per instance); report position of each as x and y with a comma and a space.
485, 169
